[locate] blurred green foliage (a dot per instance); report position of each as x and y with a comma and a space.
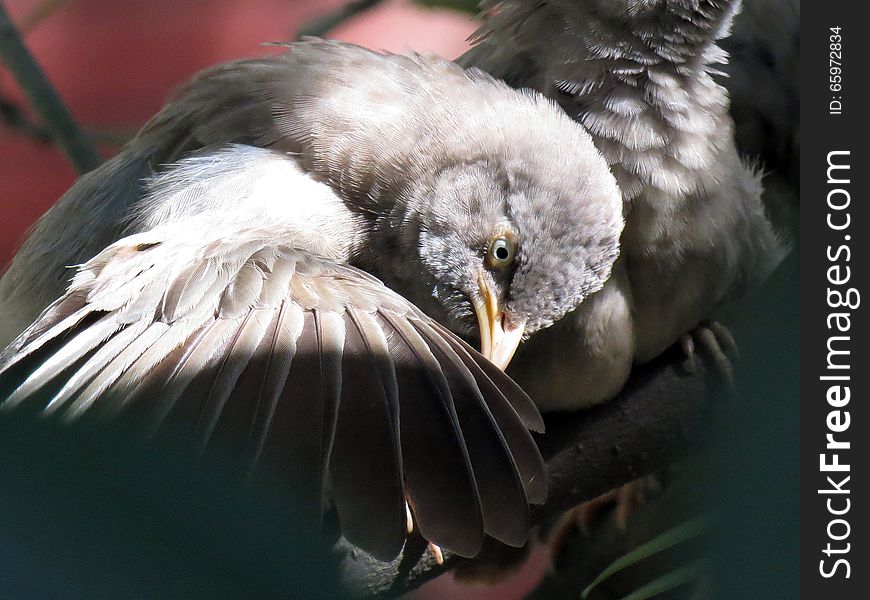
94, 513
685, 531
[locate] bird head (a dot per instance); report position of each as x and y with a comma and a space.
488, 207
507, 248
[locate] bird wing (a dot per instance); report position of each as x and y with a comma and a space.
304, 365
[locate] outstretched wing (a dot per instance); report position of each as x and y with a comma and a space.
304, 365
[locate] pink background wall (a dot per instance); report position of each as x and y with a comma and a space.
115, 61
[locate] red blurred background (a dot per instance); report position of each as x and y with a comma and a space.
114, 63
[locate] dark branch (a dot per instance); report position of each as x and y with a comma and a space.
320, 27
16, 120
38, 14
588, 453
44, 97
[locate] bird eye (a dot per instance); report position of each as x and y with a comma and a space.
501, 252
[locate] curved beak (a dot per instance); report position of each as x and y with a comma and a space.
499, 335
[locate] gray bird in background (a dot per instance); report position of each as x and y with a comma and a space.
639, 76
227, 288
763, 80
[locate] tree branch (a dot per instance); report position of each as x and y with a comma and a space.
323, 25
647, 427
44, 97
16, 120
38, 14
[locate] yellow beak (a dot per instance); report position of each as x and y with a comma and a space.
499, 335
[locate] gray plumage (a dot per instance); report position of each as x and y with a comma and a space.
639, 75
227, 287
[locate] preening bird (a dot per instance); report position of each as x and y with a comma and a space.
227, 287
639, 75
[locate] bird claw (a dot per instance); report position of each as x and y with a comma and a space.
631, 495
409, 529
409, 520
718, 342
726, 339
627, 497
437, 553
687, 343
623, 500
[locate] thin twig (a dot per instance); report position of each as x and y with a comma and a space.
323, 25
38, 14
14, 118
44, 97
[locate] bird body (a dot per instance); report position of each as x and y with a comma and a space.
639, 77
227, 287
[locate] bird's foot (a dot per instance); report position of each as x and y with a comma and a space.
717, 341
437, 553
409, 520
622, 501
435, 549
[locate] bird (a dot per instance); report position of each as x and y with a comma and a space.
279, 260
639, 76
762, 81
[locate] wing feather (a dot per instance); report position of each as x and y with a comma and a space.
80, 345
502, 495
233, 363
441, 487
290, 321
525, 452
365, 465
157, 364
100, 385
317, 375
182, 405
293, 435
522, 405
188, 289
